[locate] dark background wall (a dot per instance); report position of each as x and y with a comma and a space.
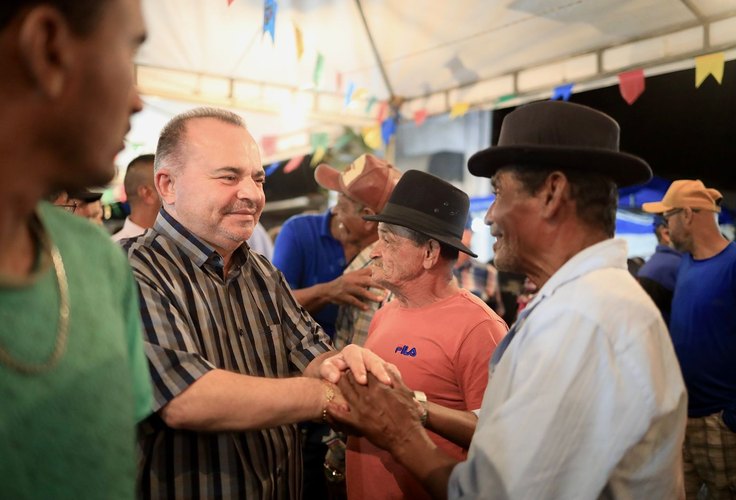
683, 132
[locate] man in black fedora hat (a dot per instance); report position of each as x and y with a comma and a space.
438, 335
585, 397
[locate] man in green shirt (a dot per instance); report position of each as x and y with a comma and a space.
73, 377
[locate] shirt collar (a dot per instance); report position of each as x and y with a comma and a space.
325, 226
607, 253
195, 248
130, 226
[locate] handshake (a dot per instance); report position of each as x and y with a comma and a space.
366, 396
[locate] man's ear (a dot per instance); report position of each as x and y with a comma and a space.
553, 193
165, 185
431, 254
147, 193
46, 49
368, 223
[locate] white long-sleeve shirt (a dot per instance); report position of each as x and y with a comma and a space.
129, 230
587, 401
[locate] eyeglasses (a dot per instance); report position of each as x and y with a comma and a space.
666, 215
69, 207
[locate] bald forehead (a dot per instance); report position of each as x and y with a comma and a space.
215, 130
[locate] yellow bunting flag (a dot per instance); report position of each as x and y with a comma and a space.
710, 64
360, 93
317, 156
372, 137
459, 109
299, 40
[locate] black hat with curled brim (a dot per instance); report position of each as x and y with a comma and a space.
564, 135
430, 206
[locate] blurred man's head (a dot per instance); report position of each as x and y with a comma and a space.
364, 187
68, 84
140, 191
209, 175
689, 210
661, 231
82, 202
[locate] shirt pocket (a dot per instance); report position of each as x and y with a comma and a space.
263, 350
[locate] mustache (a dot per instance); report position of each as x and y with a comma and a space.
241, 205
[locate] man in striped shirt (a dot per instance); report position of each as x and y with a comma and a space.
225, 339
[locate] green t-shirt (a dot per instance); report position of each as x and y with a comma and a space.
70, 432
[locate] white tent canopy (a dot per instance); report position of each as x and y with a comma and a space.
429, 53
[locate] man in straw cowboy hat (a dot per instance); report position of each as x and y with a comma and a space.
585, 399
438, 335
703, 329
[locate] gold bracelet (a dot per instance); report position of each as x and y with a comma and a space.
329, 396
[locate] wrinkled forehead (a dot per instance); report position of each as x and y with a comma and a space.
502, 176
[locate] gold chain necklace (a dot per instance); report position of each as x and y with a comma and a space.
62, 332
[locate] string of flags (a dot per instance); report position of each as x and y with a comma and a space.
632, 85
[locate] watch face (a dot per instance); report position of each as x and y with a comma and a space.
420, 396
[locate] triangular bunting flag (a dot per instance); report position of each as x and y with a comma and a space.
229, 2
459, 109
631, 84
272, 168
420, 116
388, 128
293, 164
711, 64
505, 98
319, 140
299, 40
382, 112
317, 156
268, 144
338, 81
349, 94
562, 92
372, 137
360, 93
371, 102
269, 18
318, 67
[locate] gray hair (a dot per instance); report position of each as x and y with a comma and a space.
447, 252
172, 135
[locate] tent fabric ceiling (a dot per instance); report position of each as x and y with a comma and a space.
425, 45
433, 52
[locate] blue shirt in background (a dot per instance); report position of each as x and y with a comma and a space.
307, 254
662, 266
703, 328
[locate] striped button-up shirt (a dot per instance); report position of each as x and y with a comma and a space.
195, 320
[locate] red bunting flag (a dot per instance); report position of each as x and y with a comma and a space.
420, 116
382, 112
268, 144
338, 81
631, 84
293, 164
229, 2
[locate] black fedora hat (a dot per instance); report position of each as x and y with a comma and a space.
430, 206
565, 135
